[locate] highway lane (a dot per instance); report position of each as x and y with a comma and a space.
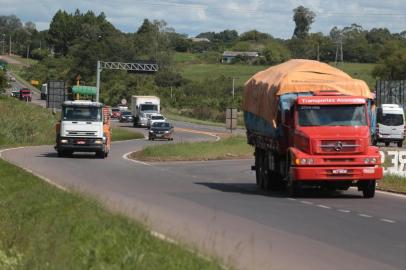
216, 207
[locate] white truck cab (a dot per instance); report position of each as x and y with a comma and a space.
390, 124
82, 129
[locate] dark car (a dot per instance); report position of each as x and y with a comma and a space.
126, 117
115, 113
15, 94
161, 130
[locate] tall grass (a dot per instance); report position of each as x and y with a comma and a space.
25, 124
233, 147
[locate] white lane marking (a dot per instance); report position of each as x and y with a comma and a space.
323, 206
49, 181
306, 202
387, 220
344, 210
126, 157
291, 199
163, 237
364, 215
9, 149
403, 196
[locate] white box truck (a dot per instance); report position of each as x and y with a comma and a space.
142, 107
44, 91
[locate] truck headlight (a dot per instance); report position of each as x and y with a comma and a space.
369, 160
64, 141
99, 141
304, 161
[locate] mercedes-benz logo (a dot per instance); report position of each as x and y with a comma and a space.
338, 146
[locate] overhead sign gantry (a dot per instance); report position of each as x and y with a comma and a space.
139, 66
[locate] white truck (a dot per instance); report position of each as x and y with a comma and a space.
84, 127
142, 107
44, 91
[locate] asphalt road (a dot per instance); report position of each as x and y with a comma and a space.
215, 207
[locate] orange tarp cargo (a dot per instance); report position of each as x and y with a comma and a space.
296, 76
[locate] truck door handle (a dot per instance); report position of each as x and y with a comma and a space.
88, 123
74, 122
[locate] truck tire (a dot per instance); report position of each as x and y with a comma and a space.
387, 144
292, 187
400, 143
259, 175
61, 153
368, 189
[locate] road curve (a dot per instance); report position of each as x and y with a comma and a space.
216, 207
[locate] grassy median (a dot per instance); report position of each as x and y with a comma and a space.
42, 227
122, 134
230, 148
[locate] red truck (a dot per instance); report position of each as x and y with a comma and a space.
25, 94
309, 124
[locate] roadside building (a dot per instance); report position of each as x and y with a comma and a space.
230, 56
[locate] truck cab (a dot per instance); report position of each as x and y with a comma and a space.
84, 127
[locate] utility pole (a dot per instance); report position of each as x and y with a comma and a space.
3, 41
28, 50
9, 49
98, 81
318, 52
233, 88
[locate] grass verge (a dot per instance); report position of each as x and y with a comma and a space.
230, 148
393, 183
44, 227
121, 134
25, 123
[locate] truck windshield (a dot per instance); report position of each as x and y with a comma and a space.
148, 107
339, 115
390, 119
72, 113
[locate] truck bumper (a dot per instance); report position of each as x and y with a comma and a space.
80, 145
336, 173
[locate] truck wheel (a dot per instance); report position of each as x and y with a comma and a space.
368, 189
258, 168
387, 144
400, 143
61, 153
292, 187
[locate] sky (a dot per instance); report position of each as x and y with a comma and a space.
193, 17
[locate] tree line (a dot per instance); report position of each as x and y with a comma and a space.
75, 41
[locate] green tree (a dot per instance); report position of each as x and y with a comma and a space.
393, 63
276, 53
303, 18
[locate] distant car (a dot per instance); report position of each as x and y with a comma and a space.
161, 130
15, 93
115, 113
25, 94
154, 119
12, 79
126, 117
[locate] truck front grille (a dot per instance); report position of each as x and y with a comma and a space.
82, 133
339, 146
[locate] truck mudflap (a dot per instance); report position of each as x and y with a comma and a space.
336, 173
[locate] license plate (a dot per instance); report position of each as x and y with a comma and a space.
340, 171
80, 142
